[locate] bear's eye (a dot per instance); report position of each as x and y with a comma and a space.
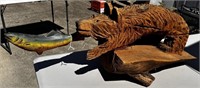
97, 20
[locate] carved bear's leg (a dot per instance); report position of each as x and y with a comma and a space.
114, 41
174, 43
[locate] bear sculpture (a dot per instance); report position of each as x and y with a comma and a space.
124, 26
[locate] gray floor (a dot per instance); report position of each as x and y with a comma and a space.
17, 70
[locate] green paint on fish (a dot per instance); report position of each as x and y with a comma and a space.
39, 43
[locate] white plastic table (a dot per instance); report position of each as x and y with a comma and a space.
55, 74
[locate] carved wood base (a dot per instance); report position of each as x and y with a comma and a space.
146, 79
138, 60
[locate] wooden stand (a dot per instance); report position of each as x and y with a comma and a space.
138, 60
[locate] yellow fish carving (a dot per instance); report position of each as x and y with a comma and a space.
39, 43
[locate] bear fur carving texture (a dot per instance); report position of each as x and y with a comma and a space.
126, 25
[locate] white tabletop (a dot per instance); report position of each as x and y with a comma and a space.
63, 76
5, 2
57, 75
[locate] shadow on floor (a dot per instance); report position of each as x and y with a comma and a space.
193, 50
76, 58
80, 59
107, 76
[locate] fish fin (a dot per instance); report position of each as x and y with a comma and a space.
54, 32
51, 33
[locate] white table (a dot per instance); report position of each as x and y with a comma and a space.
55, 74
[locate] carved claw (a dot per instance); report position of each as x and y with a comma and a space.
92, 55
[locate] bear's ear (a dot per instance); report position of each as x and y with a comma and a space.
108, 7
93, 16
115, 14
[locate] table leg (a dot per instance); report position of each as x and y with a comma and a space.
7, 45
2, 17
52, 11
2, 23
67, 18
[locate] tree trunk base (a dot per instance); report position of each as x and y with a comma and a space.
138, 60
145, 79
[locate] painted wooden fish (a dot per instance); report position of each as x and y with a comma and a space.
39, 43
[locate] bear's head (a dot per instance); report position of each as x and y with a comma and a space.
96, 26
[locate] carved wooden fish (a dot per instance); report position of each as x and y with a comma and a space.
39, 43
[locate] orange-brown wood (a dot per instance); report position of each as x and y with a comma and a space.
138, 60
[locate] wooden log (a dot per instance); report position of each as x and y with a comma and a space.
144, 58
145, 79
138, 60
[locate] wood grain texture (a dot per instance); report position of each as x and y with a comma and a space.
124, 26
138, 60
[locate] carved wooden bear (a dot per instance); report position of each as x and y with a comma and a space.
124, 26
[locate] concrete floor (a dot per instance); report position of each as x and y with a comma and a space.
17, 70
